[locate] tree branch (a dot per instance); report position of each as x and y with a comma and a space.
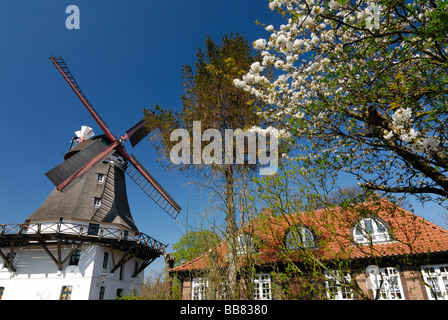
412, 190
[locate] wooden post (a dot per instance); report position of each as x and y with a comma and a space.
8, 263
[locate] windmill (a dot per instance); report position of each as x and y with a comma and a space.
82, 242
73, 167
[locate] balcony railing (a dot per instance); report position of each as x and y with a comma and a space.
93, 230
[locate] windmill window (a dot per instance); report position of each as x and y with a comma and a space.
105, 259
299, 238
66, 292
74, 259
370, 230
121, 276
100, 178
93, 229
97, 202
102, 291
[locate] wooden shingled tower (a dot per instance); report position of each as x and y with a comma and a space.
82, 242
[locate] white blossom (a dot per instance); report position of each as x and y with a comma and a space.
299, 115
256, 68
388, 135
427, 144
260, 44
239, 84
402, 116
409, 136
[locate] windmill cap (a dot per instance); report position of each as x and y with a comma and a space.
81, 146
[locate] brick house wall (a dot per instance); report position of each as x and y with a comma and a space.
413, 286
411, 282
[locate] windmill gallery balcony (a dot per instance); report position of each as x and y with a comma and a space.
49, 233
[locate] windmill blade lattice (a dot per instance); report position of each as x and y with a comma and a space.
137, 132
152, 188
58, 61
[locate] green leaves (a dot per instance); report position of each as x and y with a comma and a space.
193, 244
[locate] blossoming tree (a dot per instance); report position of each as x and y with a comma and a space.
362, 85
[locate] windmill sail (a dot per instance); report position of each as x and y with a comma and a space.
152, 188
72, 165
137, 132
68, 76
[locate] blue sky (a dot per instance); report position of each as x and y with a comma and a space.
127, 55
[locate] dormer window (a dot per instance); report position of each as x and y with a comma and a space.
370, 230
299, 238
244, 244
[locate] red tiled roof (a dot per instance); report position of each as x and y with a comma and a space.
332, 229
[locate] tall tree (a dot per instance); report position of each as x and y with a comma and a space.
211, 98
363, 85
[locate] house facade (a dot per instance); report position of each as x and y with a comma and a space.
373, 250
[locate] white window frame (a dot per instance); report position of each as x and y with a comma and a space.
244, 244
388, 281
336, 291
436, 281
96, 202
198, 289
262, 287
379, 232
100, 178
299, 238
